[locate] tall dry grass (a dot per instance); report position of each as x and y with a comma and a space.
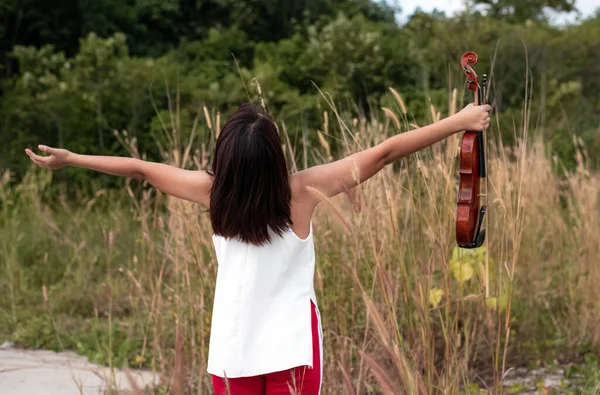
404, 310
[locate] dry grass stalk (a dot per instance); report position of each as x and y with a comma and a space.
207, 118
397, 247
347, 381
135, 389
388, 387
390, 114
329, 203
452, 107
324, 144
399, 100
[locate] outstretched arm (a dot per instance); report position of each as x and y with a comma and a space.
336, 177
191, 185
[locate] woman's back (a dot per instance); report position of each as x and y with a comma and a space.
262, 307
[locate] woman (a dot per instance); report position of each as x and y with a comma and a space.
266, 335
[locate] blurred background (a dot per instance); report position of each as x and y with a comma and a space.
74, 71
125, 275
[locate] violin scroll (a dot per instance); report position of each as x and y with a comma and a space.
468, 59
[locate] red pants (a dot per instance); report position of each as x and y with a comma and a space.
301, 380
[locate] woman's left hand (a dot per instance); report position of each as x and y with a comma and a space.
58, 158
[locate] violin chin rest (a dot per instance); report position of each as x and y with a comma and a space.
478, 242
480, 239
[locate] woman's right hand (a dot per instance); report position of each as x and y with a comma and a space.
57, 159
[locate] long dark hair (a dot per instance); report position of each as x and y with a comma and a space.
251, 191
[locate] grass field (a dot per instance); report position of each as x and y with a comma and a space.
127, 276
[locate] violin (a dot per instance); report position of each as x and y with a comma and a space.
469, 214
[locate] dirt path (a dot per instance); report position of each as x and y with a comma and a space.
33, 372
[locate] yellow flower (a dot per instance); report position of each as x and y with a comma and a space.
462, 271
464, 263
435, 296
494, 303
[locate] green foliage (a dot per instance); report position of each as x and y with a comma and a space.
73, 91
72, 73
89, 337
521, 11
345, 55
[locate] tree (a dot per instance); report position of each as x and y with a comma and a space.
522, 10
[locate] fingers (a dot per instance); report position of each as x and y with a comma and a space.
47, 149
40, 164
486, 121
37, 162
485, 116
35, 158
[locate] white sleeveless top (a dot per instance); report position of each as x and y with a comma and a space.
261, 319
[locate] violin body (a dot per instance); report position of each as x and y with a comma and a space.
467, 210
469, 214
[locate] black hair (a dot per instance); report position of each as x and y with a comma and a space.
251, 191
